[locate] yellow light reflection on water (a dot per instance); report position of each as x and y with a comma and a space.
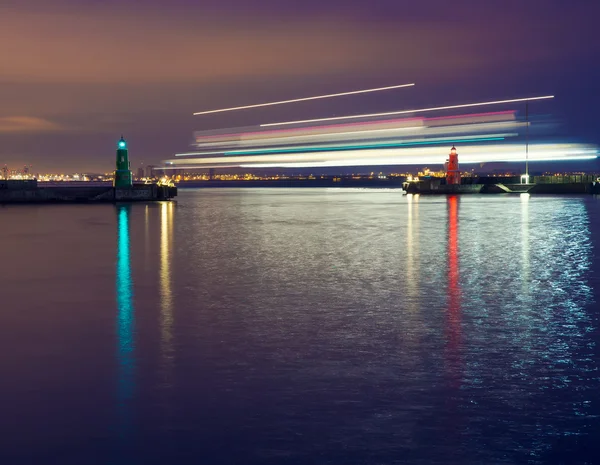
165, 285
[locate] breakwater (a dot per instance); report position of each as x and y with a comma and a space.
30, 191
475, 185
438, 186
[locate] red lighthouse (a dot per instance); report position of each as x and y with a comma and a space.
452, 173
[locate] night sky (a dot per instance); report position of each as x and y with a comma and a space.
74, 75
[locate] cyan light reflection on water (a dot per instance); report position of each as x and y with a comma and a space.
125, 305
125, 320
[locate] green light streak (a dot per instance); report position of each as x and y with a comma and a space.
360, 147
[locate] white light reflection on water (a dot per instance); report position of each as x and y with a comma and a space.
525, 242
528, 295
412, 251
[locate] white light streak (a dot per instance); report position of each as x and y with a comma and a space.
341, 136
402, 156
406, 161
304, 99
403, 112
281, 140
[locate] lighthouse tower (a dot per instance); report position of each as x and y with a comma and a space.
452, 173
123, 177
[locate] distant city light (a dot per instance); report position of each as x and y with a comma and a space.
304, 99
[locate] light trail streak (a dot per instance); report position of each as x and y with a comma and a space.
396, 156
474, 115
284, 139
330, 147
241, 143
261, 133
379, 162
208, 137
247, 138
407, 161
404, 112
281, 102
366, 135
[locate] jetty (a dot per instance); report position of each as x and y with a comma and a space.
123, 189
453, 183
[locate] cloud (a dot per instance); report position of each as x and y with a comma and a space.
11, 124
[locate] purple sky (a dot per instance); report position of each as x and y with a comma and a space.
77, 74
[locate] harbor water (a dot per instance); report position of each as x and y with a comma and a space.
301, 326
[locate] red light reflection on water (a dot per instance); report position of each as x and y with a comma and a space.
453, 329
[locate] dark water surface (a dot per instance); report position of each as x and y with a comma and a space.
309, 326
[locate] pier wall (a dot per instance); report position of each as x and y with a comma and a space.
22, 193
565, 188
143, 192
